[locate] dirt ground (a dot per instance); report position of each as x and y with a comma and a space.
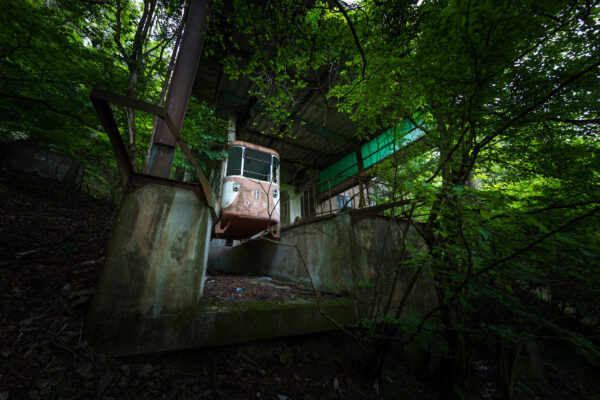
52, 247
220, 287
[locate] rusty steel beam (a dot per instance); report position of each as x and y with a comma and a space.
163, 147
374, 210
138, 181
110, 126
111, 97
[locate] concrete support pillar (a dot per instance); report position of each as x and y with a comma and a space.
361, 186
154, 272
231, 130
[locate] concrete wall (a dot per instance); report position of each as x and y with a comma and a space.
292, 202
23, 156
295, 207
345, 254
155, 268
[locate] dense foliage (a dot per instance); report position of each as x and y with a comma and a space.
504, 185
53, 53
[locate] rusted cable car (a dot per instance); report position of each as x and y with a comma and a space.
249, 192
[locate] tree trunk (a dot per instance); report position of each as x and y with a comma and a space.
451, 372
130, 115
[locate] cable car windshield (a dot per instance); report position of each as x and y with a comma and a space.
252, 164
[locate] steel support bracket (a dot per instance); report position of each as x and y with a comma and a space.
131, 180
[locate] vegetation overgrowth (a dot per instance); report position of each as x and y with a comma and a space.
503, 187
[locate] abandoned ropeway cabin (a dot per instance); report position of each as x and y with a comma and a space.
248, 185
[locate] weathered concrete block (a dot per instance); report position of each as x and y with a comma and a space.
212, 324
155, 269
228, 323
347, 254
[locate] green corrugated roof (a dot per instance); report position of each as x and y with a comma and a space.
372, 152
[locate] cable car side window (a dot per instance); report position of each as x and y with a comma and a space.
234, 161
257, 164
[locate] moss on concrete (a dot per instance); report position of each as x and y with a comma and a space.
215, 324
154, 270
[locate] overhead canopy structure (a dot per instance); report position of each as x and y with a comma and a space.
318, 134
321, 138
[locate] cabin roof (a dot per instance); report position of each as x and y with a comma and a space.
253, 146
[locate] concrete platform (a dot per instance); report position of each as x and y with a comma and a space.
215, 324
222, 323
349, 254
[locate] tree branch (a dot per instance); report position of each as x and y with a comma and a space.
551, 207
117, 35
51, 108
537, 104
593, 121
351, 26
96, 1
534, 243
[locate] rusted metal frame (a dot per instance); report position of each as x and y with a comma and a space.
374, 210
163, 115
111, 97
163, 147
108, 121
100, 100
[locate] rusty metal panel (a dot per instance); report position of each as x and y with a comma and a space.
254, 209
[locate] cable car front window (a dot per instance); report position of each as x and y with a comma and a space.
257, 164
234, 161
